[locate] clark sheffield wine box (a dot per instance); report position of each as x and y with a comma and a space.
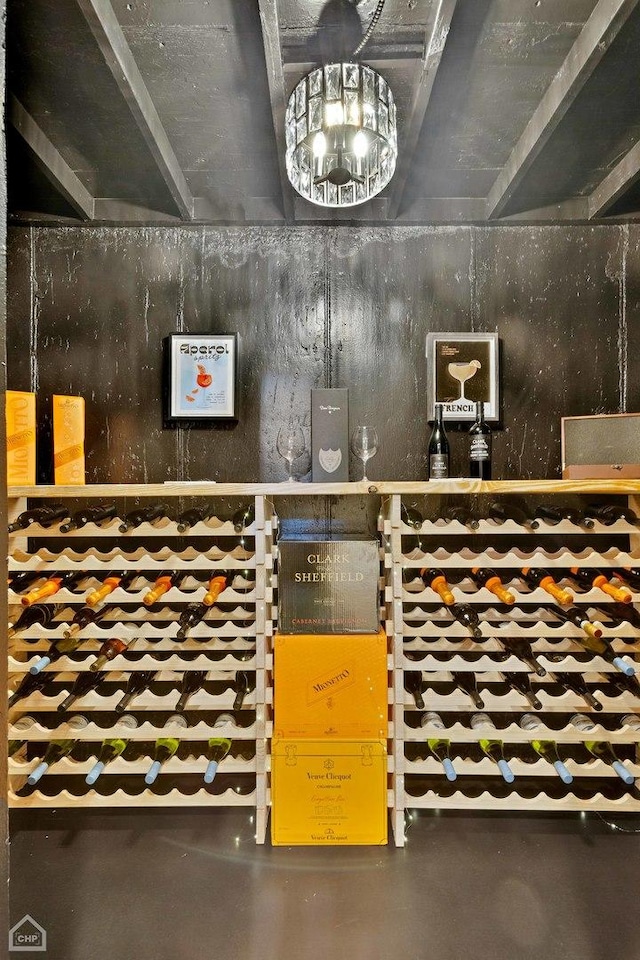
330, 435
328, 793
328, 586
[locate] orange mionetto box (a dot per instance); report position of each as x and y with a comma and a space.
68, 440
21, 437
332, 685
326, 792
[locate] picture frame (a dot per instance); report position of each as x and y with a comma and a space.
200, 378
462, 369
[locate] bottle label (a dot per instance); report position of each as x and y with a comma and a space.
438, 466
480, 448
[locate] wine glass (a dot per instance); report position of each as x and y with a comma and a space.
364, 445
290, 445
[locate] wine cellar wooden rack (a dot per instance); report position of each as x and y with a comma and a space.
237, 636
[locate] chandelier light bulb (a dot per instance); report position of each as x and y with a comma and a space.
360, 144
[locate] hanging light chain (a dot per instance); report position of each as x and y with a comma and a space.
374, 19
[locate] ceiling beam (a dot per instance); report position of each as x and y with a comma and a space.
277, 95
435, 39
616, 183
51, 162
104, 25
590, 46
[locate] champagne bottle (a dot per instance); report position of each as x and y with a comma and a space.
30, 684
413, 684
521, 648
192, 681
192, 614
602, 750
608, 513
431, 577
143, 515
217, 583
109, 584
110, 749
102, 511
462, 515
59, 647
111, 648
575, 684
491, 746
244, 683
217, 747
56, 750
163, 583
480, 446
595, 578
83, 684
82, 619
484, 577
44, 516
438, 451
41, 615
411, 517
538, 577
467, 616
23, 724
546, 749
501, 512
468, 684
521, 684
439, 746
579, 618
138, 682
554, 515
50, 587
165, 748
189, 518
243, 518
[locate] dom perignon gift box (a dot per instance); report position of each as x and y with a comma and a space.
330, 435
328, 586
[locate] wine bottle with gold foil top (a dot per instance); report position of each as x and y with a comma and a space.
163, 583
484, 577
69, 579
41, 614
111, 648
538, 577
595, 578
165, 748
57, 749
97, 515
110, 749
431, 577
111, 582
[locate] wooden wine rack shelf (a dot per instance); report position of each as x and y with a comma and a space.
238, 634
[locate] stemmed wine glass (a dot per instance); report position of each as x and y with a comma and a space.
290, 445
364, 445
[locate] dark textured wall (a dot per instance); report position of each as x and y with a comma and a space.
89, 306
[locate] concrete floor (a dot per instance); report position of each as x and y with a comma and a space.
191, 885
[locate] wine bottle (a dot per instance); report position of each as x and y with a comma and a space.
414, 685
44, 516
60, 646
468, 684
109, 584
411, 517
521, 648
546, 749
484, 577
595, 578
217, 583
165, 748
31, 684
82, 619
189, 518
243, 518
628, 575
217, 747
575, 684
192, 681
192, 614
102, 511
602, 647
620, 612
501, 512
625, 684
163, 583
138, 682
243, 684
603, 750
538, 577
491, 746
41, 615
110, 749
521, 684
23, 724
631, 721
467, 616
50, 587
579, 618
608, 513
462, 515
83, 684
111, 648
431, 577
143, 515
20, 581
438, 450
56, 750
480, 446
554, 515
439, 746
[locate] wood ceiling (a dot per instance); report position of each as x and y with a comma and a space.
162, 111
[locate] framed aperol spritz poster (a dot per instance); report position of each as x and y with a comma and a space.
201, 377
464, 368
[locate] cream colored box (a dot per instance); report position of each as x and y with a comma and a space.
68, 440
328, 792
20, 411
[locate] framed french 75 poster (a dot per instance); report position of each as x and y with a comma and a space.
200, 384
462, 369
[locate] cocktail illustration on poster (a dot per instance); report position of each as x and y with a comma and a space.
463, 369
201, 377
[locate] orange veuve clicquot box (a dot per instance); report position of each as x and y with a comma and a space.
331, 685
68, 440
21, 437
328, 792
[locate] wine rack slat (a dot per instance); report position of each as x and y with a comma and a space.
512, 702
487, 527
485, 767
146, 730
516, 558
514, 802
466, 593
491, 629
539, 645
138, 560
144, 799
119, 766
145, 701
485, 664
174, 666
164, 528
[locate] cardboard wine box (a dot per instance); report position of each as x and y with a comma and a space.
328, 586
326, 793
68, 440
333, 686
330, 435
21, 437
